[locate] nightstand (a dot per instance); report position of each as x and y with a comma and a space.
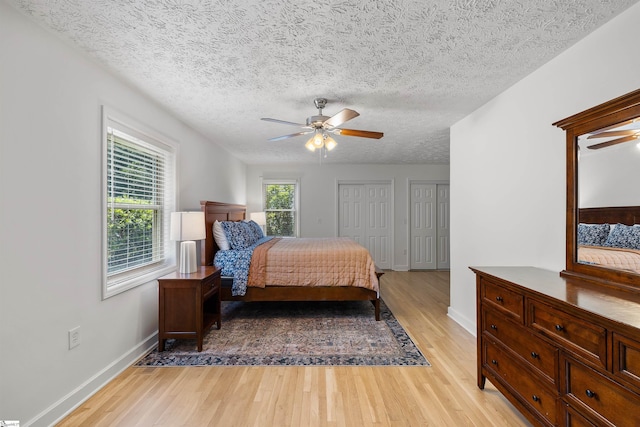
189, 305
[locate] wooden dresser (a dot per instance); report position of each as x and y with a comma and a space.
564, 351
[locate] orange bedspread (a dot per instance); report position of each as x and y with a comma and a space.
624, 259
312, 262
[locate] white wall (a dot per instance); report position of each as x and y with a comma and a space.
50, 226
508, 161
609, 176
318, 185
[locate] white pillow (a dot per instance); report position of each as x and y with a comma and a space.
220, 237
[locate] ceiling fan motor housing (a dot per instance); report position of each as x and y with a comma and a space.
316, 121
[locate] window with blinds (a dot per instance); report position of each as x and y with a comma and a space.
139, 198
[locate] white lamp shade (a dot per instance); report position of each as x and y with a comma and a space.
318, 140
187, 226
310, 145
260, 218
330, 143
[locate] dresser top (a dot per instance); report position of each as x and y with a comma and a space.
618, 305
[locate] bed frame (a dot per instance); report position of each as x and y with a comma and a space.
230, 212
627, 215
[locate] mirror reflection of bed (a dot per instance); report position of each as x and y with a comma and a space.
610, 237
608, 231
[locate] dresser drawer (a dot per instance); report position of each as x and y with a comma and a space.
528, 388
530, 348
575, 419
503, 299
626, 360
598, 396
589, 340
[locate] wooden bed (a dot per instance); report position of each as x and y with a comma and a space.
616, 258
627, 215
232, 212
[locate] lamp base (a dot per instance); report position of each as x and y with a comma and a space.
188, 258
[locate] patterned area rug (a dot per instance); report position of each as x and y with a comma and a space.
296, 333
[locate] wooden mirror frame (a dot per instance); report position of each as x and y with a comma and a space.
617, 110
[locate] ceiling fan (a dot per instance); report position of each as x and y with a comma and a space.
321, 126
629, 134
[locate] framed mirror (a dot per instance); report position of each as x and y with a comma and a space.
603, 193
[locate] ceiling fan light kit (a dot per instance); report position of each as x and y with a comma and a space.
321, 126
320, 140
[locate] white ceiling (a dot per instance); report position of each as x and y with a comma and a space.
410, 68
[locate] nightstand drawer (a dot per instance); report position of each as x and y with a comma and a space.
598, 396
503, 299
210, 284
585, 338
531, 349
528, 387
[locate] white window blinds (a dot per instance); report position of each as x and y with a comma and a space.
139, 191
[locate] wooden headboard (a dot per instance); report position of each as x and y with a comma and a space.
628, 215
221, 212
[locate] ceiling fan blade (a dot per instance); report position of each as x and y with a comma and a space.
340, 117
625, 123
284, 122
614, 133
612, 142
278, 138
360, 133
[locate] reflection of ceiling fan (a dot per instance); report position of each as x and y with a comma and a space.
630, 134
321, 126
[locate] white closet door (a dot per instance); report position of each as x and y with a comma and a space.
364, 216
351, 212
423, 226
378, 230
443, 226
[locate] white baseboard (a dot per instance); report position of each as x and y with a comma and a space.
469, 325
63, 407
400, 268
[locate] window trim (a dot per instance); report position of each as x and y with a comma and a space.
296, 207
129, 279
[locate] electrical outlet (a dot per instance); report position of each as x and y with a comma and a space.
74, 337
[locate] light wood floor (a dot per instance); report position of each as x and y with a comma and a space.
444, 394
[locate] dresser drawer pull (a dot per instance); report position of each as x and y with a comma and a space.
494, 361
535, 398
559, 328
590, 394
534, 355
494, 327
499, 299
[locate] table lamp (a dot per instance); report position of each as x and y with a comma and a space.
186, 227
260, 218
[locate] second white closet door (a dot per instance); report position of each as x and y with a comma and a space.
364, 216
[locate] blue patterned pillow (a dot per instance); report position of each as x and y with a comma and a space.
257, 230
624, 236
239, 234
593, 234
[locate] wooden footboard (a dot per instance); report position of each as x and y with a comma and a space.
315, 293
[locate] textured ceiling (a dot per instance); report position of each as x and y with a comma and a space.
410, 68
